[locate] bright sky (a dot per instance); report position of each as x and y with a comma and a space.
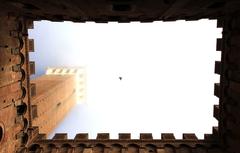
167, 71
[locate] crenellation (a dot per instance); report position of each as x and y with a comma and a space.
124, 136
146, 136
217, 89
216, 112
167, 136
32, 67
31, 45
81, 136
120, 147
217, 67
60, 136
189, 139
229, 79
42, 136
219, 44
33, 91
215, 131
190, 136
123, 12
103, 136
16, 131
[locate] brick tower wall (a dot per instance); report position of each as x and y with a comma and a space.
55, 96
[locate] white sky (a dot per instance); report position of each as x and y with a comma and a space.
167, 70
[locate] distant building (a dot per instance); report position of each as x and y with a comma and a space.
55, 94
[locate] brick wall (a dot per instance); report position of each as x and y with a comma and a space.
14, 84
55, 96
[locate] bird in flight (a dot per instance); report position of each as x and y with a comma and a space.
120, 78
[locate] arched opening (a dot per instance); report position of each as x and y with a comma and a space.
25, 121
23, 92
99, 148
116, 148
185, 148
200, 148
21, 109
151, 148
169, 148
1, 133
65, 148
51, 146
25, 138
21, 59
35, 148
21, 43
133, 148
80, 148
23, 75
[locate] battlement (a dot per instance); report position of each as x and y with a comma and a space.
80, 77
102, 144
16, 131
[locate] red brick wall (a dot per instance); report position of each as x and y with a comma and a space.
14, 84
55, 96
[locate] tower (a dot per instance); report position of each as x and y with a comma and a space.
64, 88
80, 78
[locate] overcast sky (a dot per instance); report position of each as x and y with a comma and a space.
167, 71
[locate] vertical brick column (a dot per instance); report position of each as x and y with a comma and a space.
14, 85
